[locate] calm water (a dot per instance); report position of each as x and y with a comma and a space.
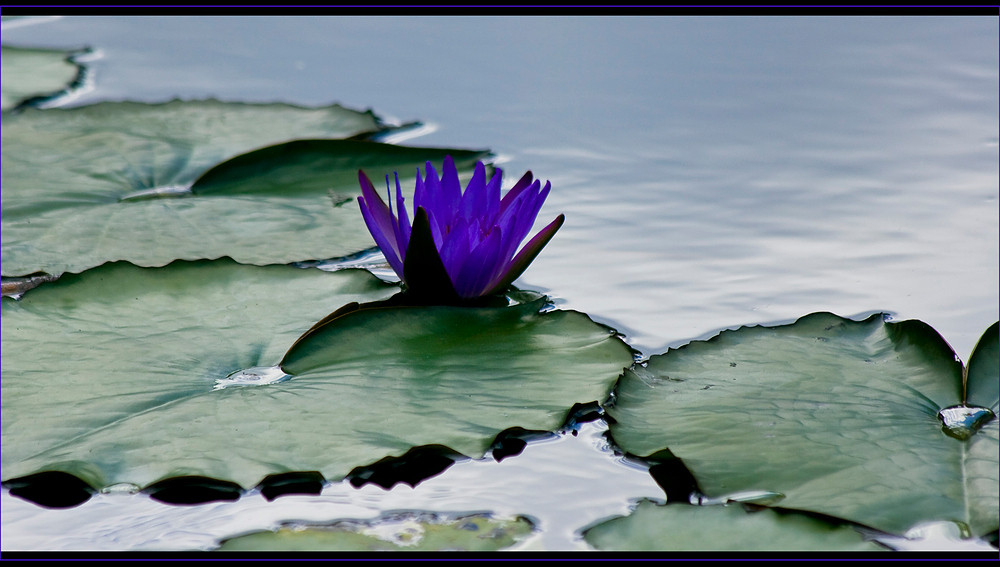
714, 172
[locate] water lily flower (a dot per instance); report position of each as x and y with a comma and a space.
460, 246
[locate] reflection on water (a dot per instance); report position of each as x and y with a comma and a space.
714, 172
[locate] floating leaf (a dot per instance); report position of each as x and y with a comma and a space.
982, 389
113, 375
144, 183
397, 532
35, 74
839, 416
134, 375
456, 376
722, 528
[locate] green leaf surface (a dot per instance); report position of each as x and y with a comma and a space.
28, 73
399, 532
110, 375
314, 167
144, 183
458, 376
982, 385
652, 527
839, 416
126, 375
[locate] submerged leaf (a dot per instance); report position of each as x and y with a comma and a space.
396, 532
722, 528
840, 416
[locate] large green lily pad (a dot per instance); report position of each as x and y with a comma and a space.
457, 376
30, 73
126, 375
397, 532
839, 416
144, 183
652, 527
110, 375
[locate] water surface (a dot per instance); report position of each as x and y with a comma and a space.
714, 172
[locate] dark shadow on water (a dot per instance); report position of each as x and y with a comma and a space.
55, 489
51, 489
413, 467
193, 490
275, 485
511, 442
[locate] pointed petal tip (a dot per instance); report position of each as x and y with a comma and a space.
527, 254
363, 179
543, 236
525, 180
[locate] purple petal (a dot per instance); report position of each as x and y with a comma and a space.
436, 231
516, 221
475, 274
474, 199
384, 244
403, 230
525, 257
467, 239
444, 196
492, 208
511, 206
529, 213
451, 187
455, 247
516, 190
419, 193
380, 223
432, 196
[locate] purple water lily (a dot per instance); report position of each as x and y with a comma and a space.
460, 245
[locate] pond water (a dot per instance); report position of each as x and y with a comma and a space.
714, 172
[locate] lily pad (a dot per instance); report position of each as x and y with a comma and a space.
840, 417
135, 375
111, 375
144, 183
397, 532
458, 376
30, 74
653, 527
